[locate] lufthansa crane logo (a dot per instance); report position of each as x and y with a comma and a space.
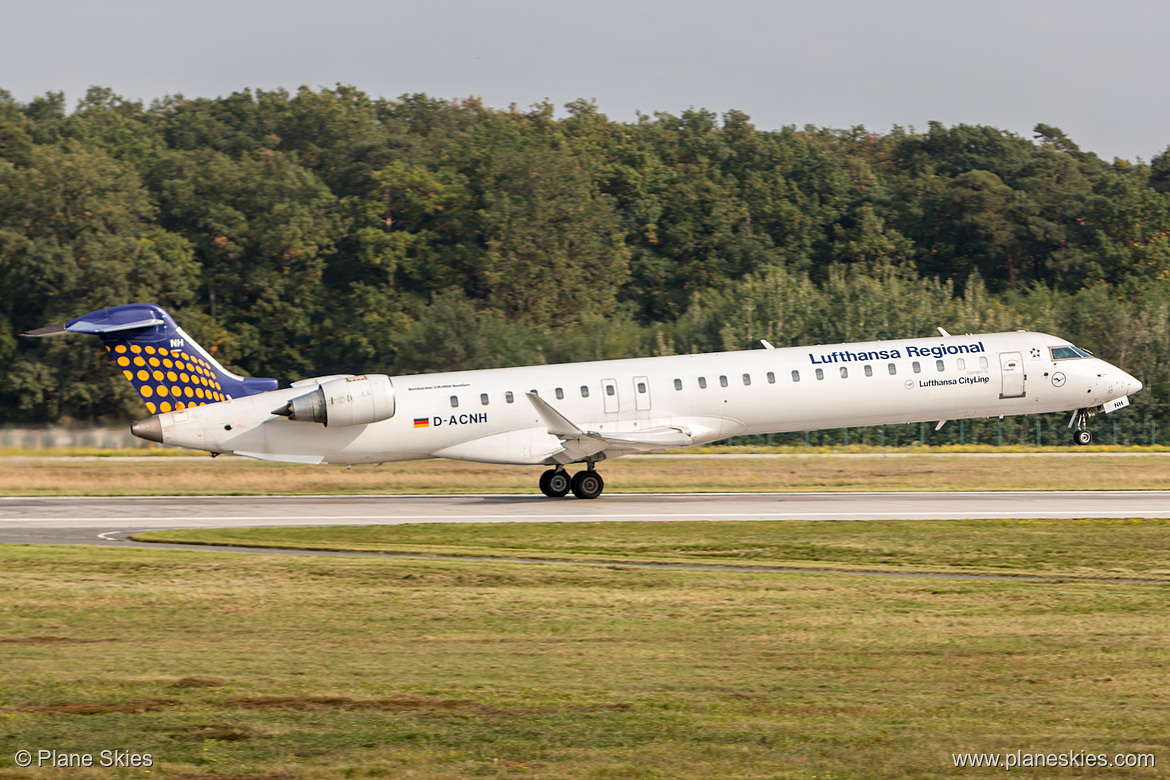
1058, 379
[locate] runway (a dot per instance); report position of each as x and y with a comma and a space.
110, 520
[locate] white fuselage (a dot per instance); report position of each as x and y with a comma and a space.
485, 416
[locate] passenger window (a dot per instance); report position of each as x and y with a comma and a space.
702, 383
454, 401
917, 367
747, 379
893, 369
483, 399
983, 362
723, 381
820, 374
795, 376
584, 391
678, 384
771, 377
941, 366
961, 364
508, 397
560, 393
609, 390
844, 372
641, 387
869, 370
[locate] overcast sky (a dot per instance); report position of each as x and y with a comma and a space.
1097, 70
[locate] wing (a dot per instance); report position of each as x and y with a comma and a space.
580, 444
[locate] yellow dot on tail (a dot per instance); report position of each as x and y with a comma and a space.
147, 391
168, 363
150, 350
120, 348
165, 406
128, 375
188, 392
142, 375
153, 362
184, 378
158, 376
135, 348
139, 361
199, 391
163, 351
150, 407
180, 406
172, 376
123, 361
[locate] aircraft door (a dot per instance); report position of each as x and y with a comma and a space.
610, 394
1011, 369
641, 394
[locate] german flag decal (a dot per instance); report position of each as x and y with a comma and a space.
422, 422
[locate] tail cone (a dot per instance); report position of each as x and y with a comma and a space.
150, 429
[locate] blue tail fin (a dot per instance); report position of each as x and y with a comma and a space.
165, 365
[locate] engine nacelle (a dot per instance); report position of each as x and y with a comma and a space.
351, 400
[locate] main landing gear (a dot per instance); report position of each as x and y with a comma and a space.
555, 483
1080, 419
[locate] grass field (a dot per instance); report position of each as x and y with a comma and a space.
257, 667
1088, 548
240, 476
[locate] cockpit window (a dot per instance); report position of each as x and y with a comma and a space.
1067, 353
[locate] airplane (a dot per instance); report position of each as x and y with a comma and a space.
557, 415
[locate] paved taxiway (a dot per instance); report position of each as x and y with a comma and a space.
110, 520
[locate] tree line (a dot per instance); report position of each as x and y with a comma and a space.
326, 231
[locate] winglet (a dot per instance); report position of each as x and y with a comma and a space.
557, 423
767, 344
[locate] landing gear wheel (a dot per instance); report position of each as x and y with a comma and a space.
1083, 437
587, 484
555, 483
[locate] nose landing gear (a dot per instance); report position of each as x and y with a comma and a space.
1080, 419
556, 483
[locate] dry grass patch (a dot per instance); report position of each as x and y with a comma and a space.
240, 476
51, 640
99, 708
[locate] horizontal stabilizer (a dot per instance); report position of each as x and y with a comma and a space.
49, 330
100, 325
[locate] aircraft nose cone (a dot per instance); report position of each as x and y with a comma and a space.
150, 429
1132, 384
